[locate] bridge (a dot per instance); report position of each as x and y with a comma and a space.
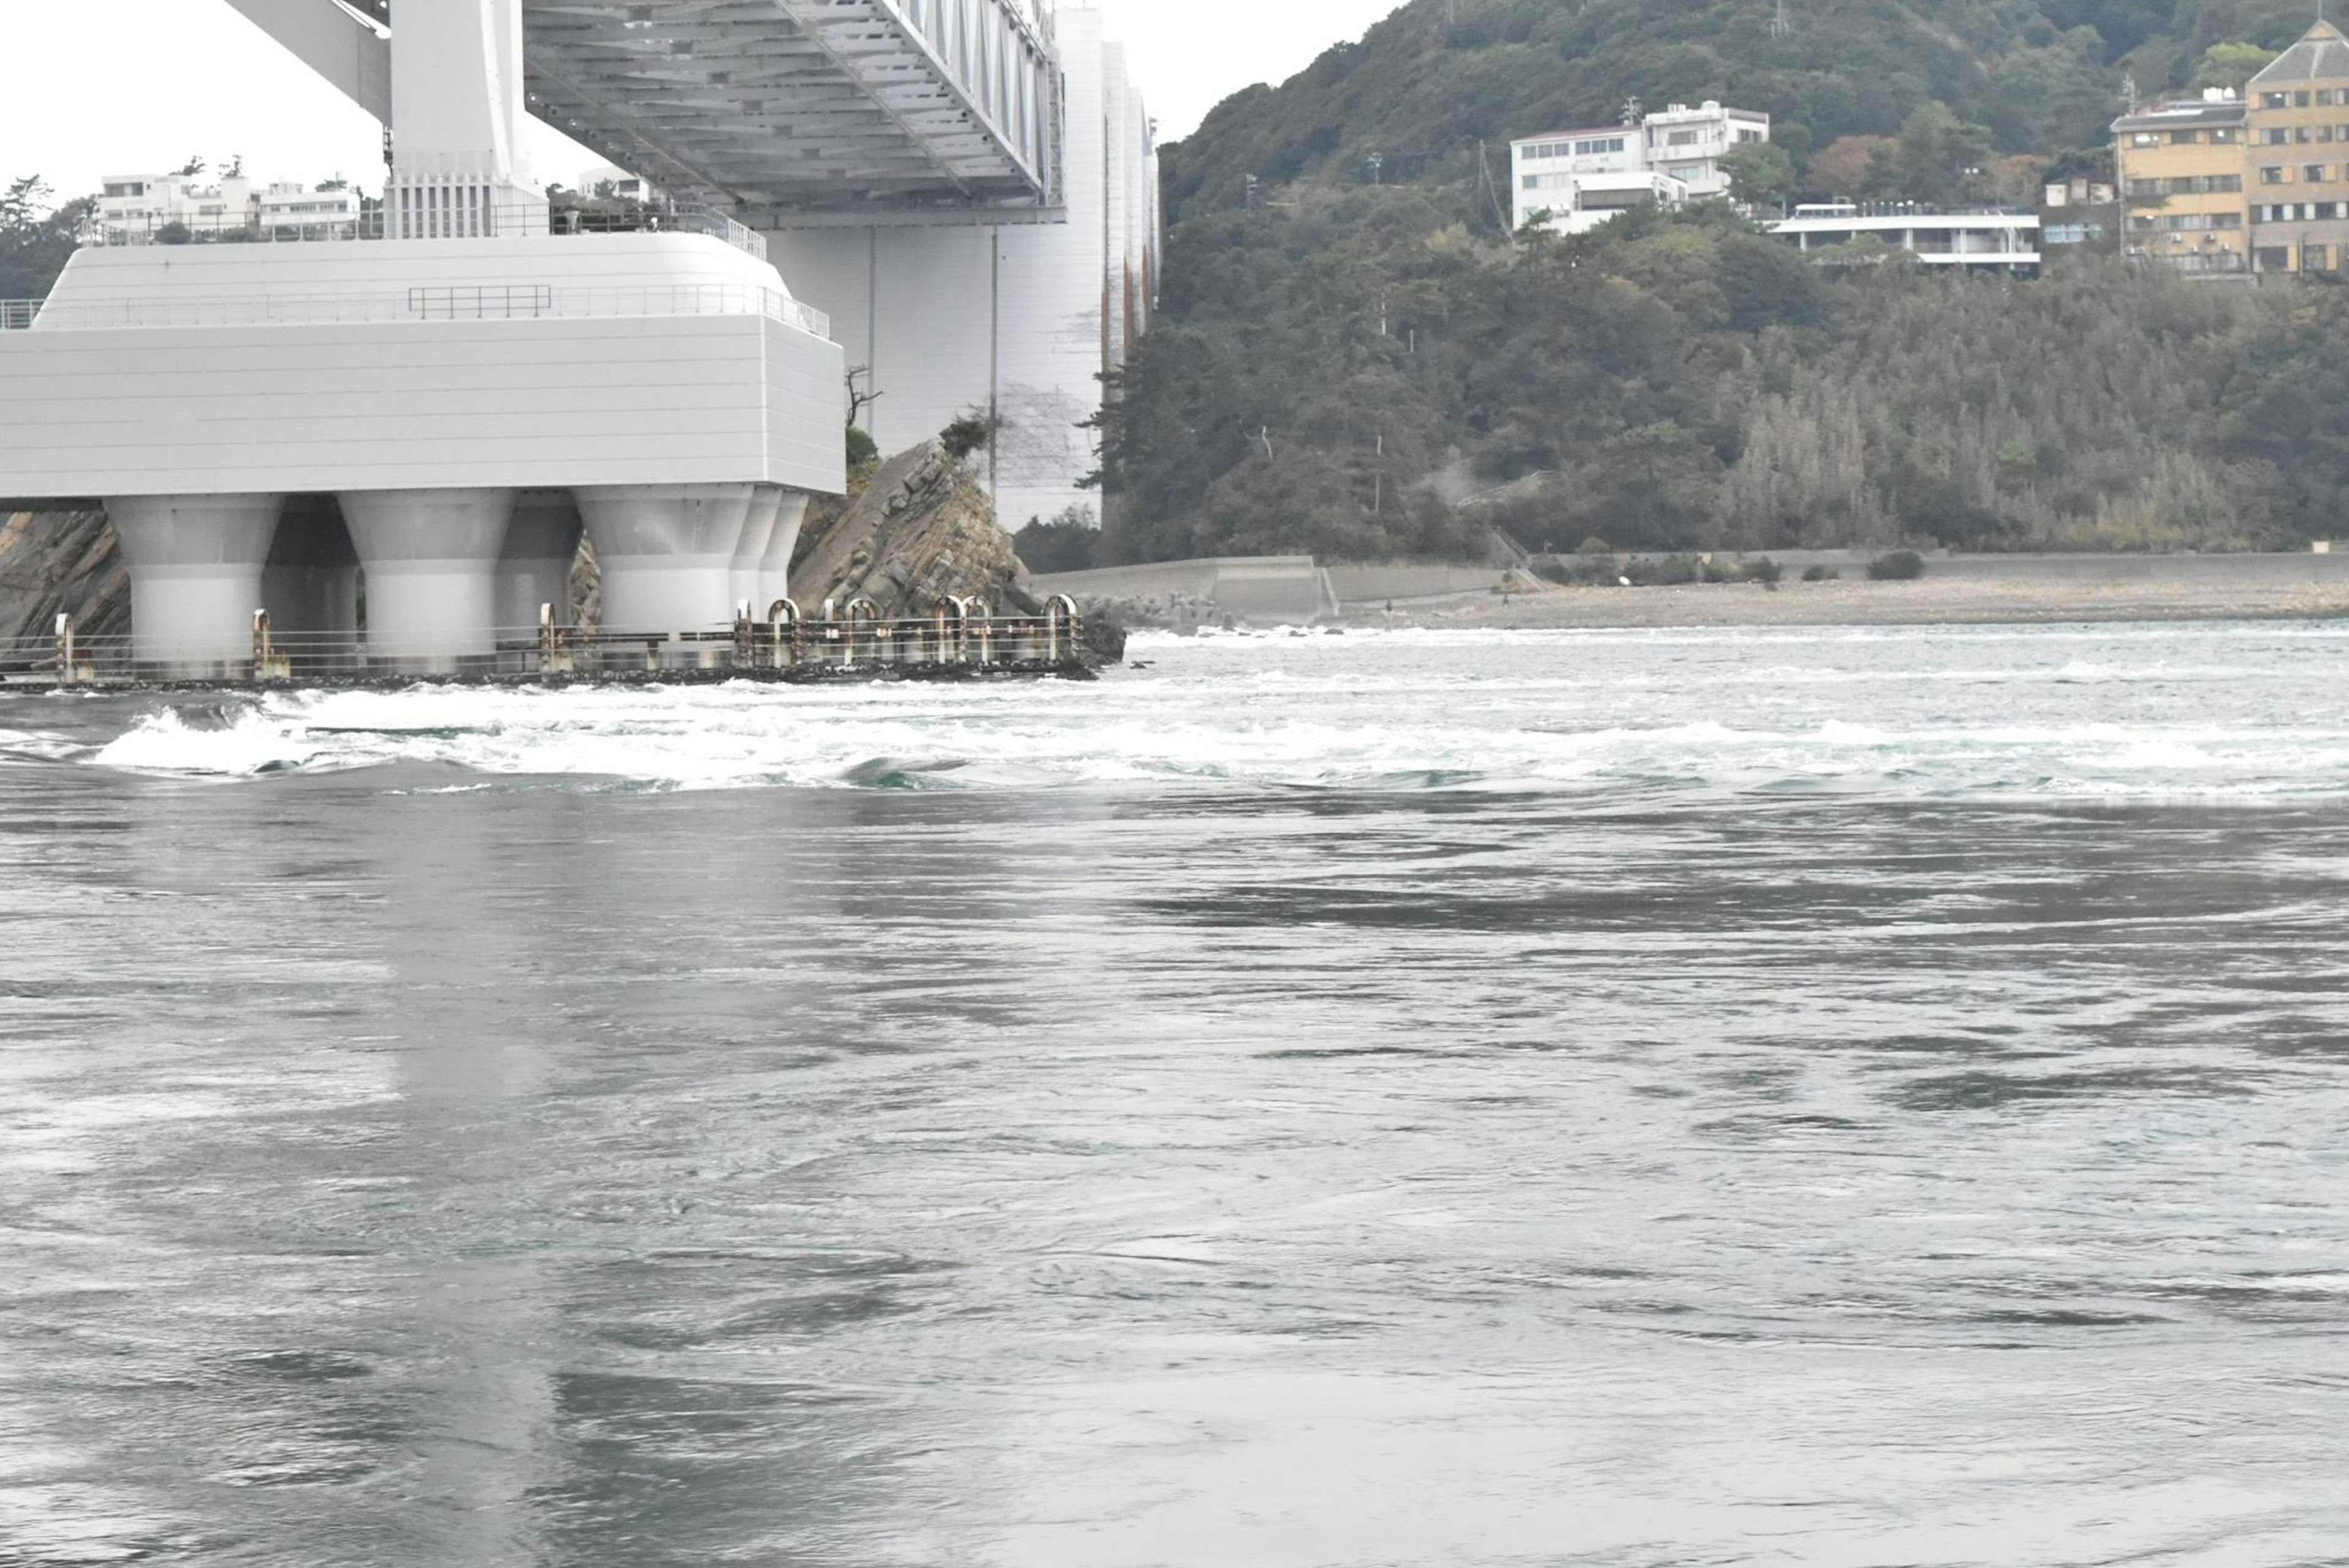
783, 112
964, 191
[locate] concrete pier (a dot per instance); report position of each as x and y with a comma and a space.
667, 551
431, 561
196, 564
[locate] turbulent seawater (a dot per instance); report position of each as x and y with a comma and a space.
1630, 1099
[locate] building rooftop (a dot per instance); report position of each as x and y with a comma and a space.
2185, 114
1707, 111
2321, 56
1585, 130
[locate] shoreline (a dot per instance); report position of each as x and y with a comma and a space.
1924, 603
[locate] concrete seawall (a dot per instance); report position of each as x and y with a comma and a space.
2210, 572
1256, 587
1297, 588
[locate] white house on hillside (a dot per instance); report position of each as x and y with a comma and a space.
1574, 181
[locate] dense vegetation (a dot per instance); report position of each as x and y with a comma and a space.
34, 241
1337, 364
2038, 76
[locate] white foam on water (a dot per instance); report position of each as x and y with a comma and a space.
1560, 712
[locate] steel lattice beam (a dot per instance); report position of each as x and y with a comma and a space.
770, 108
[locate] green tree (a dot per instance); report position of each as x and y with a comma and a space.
1942, 157
36, 242
1759, 175
2231, 65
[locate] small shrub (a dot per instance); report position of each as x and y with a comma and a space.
1822, 574
1662, 572
1762, 569
968, 434
1899, 567
1594, 545
860, 448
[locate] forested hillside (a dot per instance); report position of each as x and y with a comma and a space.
1333, 362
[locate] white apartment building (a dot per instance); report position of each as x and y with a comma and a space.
135, 209
1574, 181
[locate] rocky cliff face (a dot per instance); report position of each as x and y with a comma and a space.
920, 529
61, 561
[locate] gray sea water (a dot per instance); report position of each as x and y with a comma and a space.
1630, 1099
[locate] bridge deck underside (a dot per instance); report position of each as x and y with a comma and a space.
808, 106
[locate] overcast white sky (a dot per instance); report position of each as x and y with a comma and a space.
89, 87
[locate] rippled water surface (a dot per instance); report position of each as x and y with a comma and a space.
1628, 1099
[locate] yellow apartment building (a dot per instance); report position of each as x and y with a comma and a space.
2299, 156
2182, 175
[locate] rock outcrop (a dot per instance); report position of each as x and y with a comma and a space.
921, 528
53, 562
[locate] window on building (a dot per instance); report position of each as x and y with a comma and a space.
2225, 133
2275, 136
2272, 258
2275, 100
2316, 258
2146, 138
2273, 176
2303, 134
2315, 173
2225, 220
2184, 138
2300, 98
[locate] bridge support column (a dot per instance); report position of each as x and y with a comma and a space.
536, 566
775, 569
667, 553
431, 560
196, 564
751, 555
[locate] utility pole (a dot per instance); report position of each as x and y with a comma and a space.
1780, 26
1378, 168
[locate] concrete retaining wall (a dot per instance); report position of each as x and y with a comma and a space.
1373, 583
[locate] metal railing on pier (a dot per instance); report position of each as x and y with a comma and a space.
959, 636
441, 302
502, 222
